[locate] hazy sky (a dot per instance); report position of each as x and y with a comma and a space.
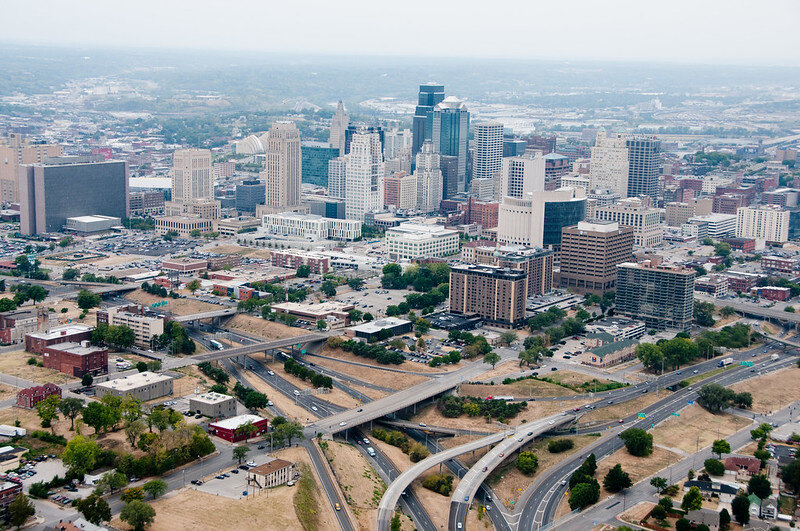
726, 31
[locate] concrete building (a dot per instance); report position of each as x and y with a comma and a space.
16, 324
282, 166
144, 324
590, 253
537, 219
231, 429
714, 285
291, 259
364, 172
400, 191
249, 194
36, 342
609, 163
430, 94
76, 359
66, 187
146, 203
370, 330
183, 225
618, 328
715, 226
644, 166
213, 405
397, 146
310, 226
337, 177
96, 223
768, 223
648, 231
144, 386
16, 150
537, 264
191, 175
496, 294
488, 138
555, 167
520, 176
327, 207
660, 295
196, 208
28, 398
676, 214
333, 312
9, 490
414, 240
449, 134
230, 227
185, 265
272, 474
429, 179
339, 124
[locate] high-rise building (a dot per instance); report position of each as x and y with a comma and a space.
488, 150
766, 222
364, 176
429, 179
449, 136
327, 207
337, 171
536, 220
314, 161
555, 167
16, 150
449, 167
521, 175
339, 124
648, 231
400, 191
360, 128
660, 295
514, 147
282, 166
496, 294
248, 195
537, 264
609, 164
644, 167
191, 175
422, 124
590, 253
66, 187
396, 142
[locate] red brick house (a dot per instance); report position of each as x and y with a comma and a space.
228, 429
31, 396
9, 490
76, 359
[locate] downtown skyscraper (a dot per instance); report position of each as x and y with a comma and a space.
429, 179
488, 150
449, 134
339, 124
364, 175
282, 166
643, 167
430, 94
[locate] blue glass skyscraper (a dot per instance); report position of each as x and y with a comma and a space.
422, 126
449, 134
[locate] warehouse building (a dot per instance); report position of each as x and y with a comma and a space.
95, 223
230, 429
73, 333
76, 359
143, 386
214, 405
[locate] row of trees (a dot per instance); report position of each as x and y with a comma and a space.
117, 336
455, 406
422, 278
366, 350
304, 373
584, 488
215, 373
671, 354
416, 451
251, 398
715, 398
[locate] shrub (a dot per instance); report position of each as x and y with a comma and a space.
715, 467
441, 483
527, 463
559, 445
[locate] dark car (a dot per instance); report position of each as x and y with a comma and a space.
554, 368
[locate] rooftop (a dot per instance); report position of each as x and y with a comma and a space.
77, 349
272, 466
376, 326
324, 307
421, 230
234, 422
212, 397
134, 381
59, 331
598, 226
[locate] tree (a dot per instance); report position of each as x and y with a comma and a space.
303, 271
659, 483
422, 326
87, 380
71, 408
112, 481
727, 311
328, 288
155, 488
760, 486
289, 431
70, 274
20, 510
141, 366
617, 479
692, 500
492, 358
508, 337
740, 507
133, 493
137, 514
584, 494
133, 430
99, 416
193, 286
322, 324
720, 446
638, 442
240, 452
704, 313
6, 305
87, 299
659, 513
791, 474
527, 463
683, 524
650, 355
154, 365
355, 315
94, 508
715, 397
80, 455
368, 317
715, 467
247, 429
724, 519
355, 283
47, 410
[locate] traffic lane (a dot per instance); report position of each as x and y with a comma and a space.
317, 407
327, 485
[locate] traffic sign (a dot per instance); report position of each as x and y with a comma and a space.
641, 415
690, 402
676, 414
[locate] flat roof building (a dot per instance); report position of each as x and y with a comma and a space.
276, 472
144, 386
371, 329
648, 231
417, 240
76, 359
660, 295
311, 313
590, 253
213, 405
94, 223
144, 325
230, 429
496, 294
72, 333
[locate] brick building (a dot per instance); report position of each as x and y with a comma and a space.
9, 490
276, 472
496, 294
76, 359
590, 253
318, 264
728, 203
31, 396
74, 333
229, 429
15, 324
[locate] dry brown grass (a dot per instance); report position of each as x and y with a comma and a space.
772, 391
192, 380
438, 506
335, 396
360, 482
190, 509
382, 378
411, 366
576, 379
637, 468
263, 328
243, 251
16, 364
284, 404
176, 306
617, 411
509, 367
696, 428
529, 388
537, 410
432, 417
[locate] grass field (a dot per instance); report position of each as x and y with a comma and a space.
772, 391
16, 364
696, 428
523, 388
637, 468
617, 411
360, 482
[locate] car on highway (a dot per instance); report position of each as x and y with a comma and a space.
621, 421
337, 506
314, 408
271, 373
484, 469
501, 454
343, 423
423, 425
520, 439
366, 441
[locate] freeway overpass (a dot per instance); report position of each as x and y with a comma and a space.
526, 432
404, 424
101, 288
750, 309
244, 350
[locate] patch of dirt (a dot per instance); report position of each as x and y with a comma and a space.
192, 380
175, 306
529, 388
772, 391
284, 404
637, 468
696, 428
263, 328
637, 513
382, 378
243, 251
16, 364
574, 378
361, 484
29, 420
617, 411
432, 417
508, 367
405, 366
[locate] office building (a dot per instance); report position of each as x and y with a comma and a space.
183, 226
272, 474
488, 150
400, 191
483, 213
715, 226
496, 294
536, 220
213, 405
145, 325
36, 342
677, 214
609, 163
144, 386
514, 147
555, 167
314, 158
231, 227
310, 226
364, 172
428, 174
590, 253
449, 167
521, 175
644, 167
430, 94
648, 231
449, 135
660, 295
327, 207
146, 203
248, 195
414, 240
16, 324
537, 264
339, 124
282, 167
363, 129
337, 177
67, 187
728, 203
482, 189
191, 175
334, 313
768, 223
292, 259
16, 150
397, 144
76, 359
89, 224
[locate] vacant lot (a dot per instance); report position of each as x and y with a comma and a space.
575, 378
176, 306
637, 468
284, 404
523, 388
506, 368
273, 509
772, 391
16, 364
360, 482
411, 366
382, 378
263, 328
431, 416
617, 411
696, 428
243, 251
191, 381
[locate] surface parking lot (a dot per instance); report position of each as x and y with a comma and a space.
235, 484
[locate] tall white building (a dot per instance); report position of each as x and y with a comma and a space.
282, 166
191, 175
765, 222
395, 142
364, 176
337, 171
648, 230
536, 219
429, 178
339, 124
521, 175
609, 164
488, 150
